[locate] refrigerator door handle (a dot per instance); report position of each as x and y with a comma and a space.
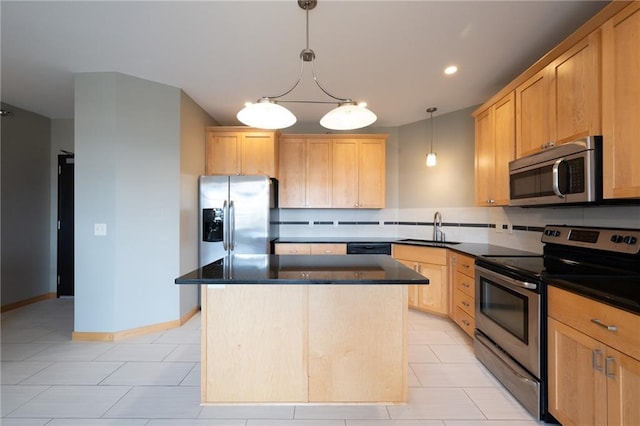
232, 225
225, 225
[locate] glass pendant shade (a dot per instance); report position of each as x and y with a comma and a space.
431, 159
348, 117
266, 114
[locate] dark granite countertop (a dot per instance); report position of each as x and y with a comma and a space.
291, 269
471, 249
621, 292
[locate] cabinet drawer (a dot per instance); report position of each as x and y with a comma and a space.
293, 249
466, 265
466, 284
465, 321
328, 249
592, 318
464, 302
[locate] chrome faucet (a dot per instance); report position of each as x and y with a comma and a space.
438, 235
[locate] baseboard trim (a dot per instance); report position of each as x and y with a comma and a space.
134, 332
25, 302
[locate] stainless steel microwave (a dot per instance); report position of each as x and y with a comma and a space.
570, 173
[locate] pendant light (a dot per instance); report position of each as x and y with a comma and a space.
431, 156
267, 113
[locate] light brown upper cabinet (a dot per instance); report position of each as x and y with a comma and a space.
358, 173
495, 147
241, 150
561, 102
532, 115
305, 172
621, 104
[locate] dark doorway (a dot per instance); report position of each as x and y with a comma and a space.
65, 225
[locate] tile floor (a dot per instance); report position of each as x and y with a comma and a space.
153, 380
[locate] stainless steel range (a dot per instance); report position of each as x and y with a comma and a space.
511, 310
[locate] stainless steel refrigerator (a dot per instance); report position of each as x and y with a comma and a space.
238, 215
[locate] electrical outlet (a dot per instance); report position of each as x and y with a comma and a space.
335, 223
509, 228
499, 229
310, 223
100, 229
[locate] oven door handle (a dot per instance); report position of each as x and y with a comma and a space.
509, 280
556, 177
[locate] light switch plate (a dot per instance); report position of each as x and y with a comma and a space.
100, 229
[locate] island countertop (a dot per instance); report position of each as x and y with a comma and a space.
292, 269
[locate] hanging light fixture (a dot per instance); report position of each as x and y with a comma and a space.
431, 156
267, 113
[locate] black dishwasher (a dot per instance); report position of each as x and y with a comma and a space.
369, 248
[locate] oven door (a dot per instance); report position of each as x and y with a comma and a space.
508, 313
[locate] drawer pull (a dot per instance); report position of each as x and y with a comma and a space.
603, 325
327, 251
596, 354
608, 370
466, 304
464, 265
467, 323
465, 285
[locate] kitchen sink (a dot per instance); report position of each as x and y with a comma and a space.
428, 242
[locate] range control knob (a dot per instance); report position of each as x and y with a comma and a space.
616, 239
630, 239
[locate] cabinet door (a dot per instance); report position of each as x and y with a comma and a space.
318, 173
532, 114
345, 173
623, 388
621, 104
371, 174
258, 154
574, 79
223, 154
292, 181
434, 297
577, 387
484, 157
504, 148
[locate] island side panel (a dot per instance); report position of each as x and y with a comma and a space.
254, 344
358, 343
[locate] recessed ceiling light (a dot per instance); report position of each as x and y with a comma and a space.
451, 69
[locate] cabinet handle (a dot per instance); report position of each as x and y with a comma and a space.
603, 325
466, 304
465, 285
608, 371
467, 323
595, 355
465, 265
328, 252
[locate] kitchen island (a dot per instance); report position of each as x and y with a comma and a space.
296, 329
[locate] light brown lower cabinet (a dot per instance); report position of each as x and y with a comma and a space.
310, 248
432, 263
594, 362
304, 343
463, 290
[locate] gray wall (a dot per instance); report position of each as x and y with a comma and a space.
193, 120
127, 176
25, 265
451, 182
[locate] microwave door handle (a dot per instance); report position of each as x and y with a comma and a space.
556, 177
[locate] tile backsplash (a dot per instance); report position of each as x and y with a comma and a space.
514, 227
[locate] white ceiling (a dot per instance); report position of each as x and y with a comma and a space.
224, 53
